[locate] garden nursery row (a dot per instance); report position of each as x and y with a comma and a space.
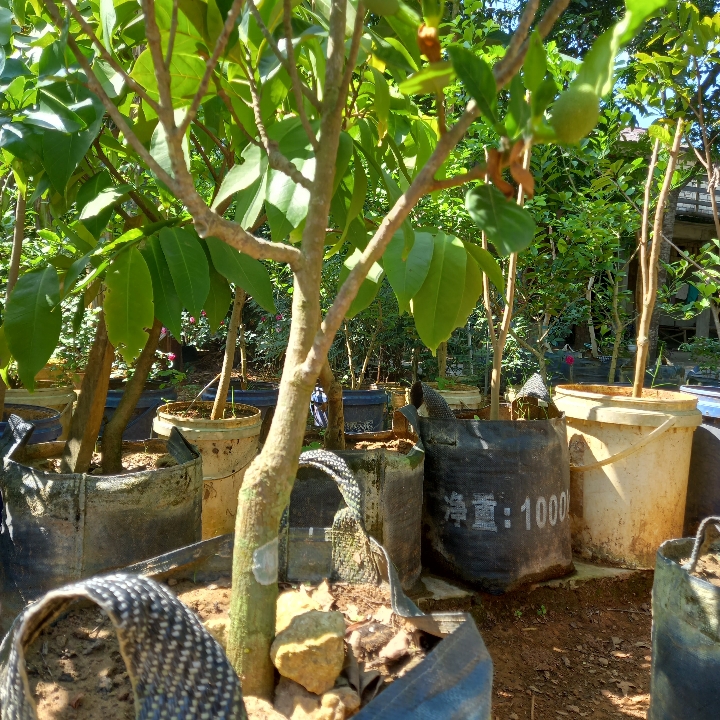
359, 359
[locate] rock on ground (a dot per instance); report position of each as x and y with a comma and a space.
311, 650
296, 703
290, 604
259, 709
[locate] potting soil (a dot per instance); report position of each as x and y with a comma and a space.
708, 568
131, 461
582, 652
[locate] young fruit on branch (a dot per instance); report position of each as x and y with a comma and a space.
428, 41
575, 113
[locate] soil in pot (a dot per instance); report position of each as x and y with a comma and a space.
569, 652
204, 411
132, 461
28, 413
708, 569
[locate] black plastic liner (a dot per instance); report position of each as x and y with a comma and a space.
496, 500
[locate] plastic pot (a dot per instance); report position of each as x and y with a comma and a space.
703, 495
47, 428
496, 500
685, 638
140, 426
58, 528
391, 487
227, 447
61, 399
458, 397
260, 395
630, 459
364, 410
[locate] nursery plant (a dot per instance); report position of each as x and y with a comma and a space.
302, 112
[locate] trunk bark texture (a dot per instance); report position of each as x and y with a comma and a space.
442, 359
88, 415
112, 436
335, 431
218, 410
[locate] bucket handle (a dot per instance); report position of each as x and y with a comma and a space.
689, 566
641, 443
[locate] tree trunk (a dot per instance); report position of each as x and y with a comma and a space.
617, 329
649, 265
112, 436
371, 347
218, 410
591, 325
335, 431
668, 226
442, 353
715, 310
88, 415
415, 363
349, 346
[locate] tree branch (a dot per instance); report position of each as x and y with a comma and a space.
276, 159
94, 85
294, 76
476, 173
173, 32
220, 45
309, 94
106, 56
205, 158
137, 198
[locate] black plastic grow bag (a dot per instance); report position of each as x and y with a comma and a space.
685, 680
496, 500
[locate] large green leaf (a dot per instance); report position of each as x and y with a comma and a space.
5, 354
382, 101
598, 65
188, 266
476, 75
105, 199
240, 269
509, 227
535, 65
241, 177
370, 285
186, 72
128, 304
407, 276
436, 305
159, 147
107, 21
431, 79
471, 292
357, 200
33, 319
91, 188
218, 299
487, 264
62, 153
168, 307
249, 203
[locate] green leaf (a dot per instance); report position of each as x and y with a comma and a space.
240, 269
62, 153
436, 305
5, 354
543, 96
488, 265
128, 304
74, 272
661, 133
509, 227
168, 307
33, 319
186, 72
218, 299
598, 65
386, 51
369, 288
357, 201
476, 75
107, 20
188, 267
535, 65
159, 147
431, 79
90, 189
471, 292
406, 277
249, 204
382, 102
241, 177
105, 199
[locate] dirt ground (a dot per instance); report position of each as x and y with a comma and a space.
557, 652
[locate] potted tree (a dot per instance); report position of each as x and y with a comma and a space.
304, 165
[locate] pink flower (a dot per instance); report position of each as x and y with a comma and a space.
263, 319
171, 357
163, 331
569, 359
278, 317
192, 320
203, 313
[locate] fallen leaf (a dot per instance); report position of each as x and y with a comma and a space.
76, 702
323, 596
384, 615
353, 613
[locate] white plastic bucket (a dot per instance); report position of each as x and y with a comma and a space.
630, 459
227, 447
